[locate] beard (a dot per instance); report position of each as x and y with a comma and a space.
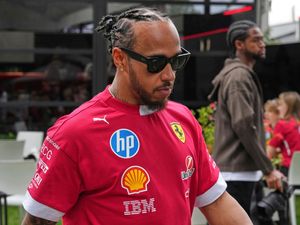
143, 95
254, 55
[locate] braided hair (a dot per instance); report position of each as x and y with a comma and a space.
238, 31
118, 29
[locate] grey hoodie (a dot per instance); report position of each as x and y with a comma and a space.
239, 132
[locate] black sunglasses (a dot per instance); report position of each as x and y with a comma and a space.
155, 64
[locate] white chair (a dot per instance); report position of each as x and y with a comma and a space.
11, 149
15, 176
198, 218
294, 179
33, 141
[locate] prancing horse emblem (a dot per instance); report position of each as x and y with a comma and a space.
178, 131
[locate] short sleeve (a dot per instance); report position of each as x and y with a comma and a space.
55, 185
211, 184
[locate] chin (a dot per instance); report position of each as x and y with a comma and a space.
259, 57
157, 105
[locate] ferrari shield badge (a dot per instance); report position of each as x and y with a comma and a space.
178, 131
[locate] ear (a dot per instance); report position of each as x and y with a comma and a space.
239, 45
119, 58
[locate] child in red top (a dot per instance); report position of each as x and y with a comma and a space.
286, 134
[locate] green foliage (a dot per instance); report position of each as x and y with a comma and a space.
276, 161
205, 116
9, 135
14, 214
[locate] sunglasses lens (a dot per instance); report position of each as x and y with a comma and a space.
179, 62
157, 64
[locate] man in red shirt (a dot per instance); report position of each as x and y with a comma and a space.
130, 156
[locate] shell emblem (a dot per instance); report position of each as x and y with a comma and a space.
135, 180
178, 131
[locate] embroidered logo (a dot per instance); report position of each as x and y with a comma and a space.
178, 131
100, 119
136, 207
189, 163
135, 180
124, 143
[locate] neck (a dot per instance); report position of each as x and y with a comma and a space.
246, 60
115, 92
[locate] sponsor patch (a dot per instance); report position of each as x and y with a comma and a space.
178, 131
124, 143
43, 165
135, 180
136, 207
189, 163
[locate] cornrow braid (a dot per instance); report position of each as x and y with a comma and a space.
238, 31
117, 29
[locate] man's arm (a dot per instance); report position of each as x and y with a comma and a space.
32, 220
225, 211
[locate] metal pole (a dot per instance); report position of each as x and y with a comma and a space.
99, 78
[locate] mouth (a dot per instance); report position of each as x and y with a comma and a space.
164, 91
262, 51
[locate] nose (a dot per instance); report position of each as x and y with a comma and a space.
168, 74
262, 44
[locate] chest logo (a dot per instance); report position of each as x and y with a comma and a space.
135, 180
178, 131
101, 119
189, 163
124, 143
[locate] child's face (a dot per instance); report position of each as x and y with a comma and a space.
282, 107
272, 117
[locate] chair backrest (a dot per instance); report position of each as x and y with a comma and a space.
294, 170
11, 149
15, 176
33, 141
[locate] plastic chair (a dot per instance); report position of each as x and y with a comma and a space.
15, 176
294, 180
198, 218
11, 149
33, 141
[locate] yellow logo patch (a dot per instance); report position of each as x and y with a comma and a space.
135, 180
178, 131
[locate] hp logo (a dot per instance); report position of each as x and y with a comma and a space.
124, 143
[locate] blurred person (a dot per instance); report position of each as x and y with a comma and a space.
239, 149
129, 155
271, 117
286, 133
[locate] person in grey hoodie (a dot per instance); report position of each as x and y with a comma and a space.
239, 148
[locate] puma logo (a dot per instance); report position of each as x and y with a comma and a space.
100, 119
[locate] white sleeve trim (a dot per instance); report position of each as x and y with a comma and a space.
212, 194
40, 210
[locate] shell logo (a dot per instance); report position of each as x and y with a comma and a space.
135, 180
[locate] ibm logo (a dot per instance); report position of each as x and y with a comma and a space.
124, 143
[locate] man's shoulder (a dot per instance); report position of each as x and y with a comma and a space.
235, 70
80, 117
176, 106
178, 111
238, 74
